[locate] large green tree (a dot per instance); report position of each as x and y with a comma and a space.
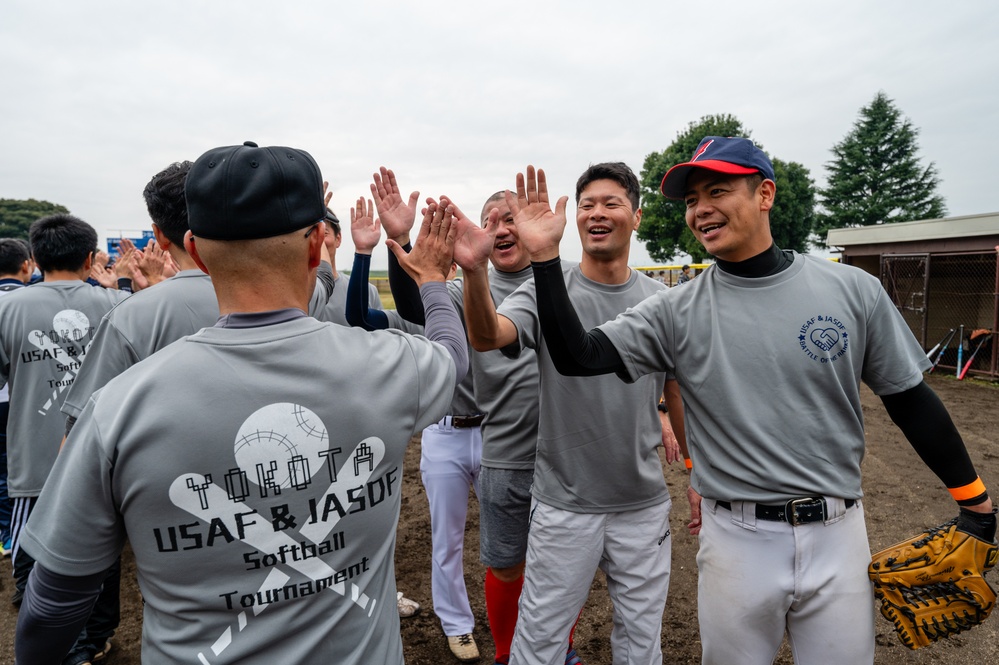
664, 226
17, 215
875, 176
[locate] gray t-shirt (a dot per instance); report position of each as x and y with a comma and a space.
506, 387
770, 370
154, 318
597, 436
139, 327
324, 290
45, 333
260, 497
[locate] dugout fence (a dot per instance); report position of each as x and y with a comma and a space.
939, 292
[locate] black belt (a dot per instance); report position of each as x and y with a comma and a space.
794, 512
463, 422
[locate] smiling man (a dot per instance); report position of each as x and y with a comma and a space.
505, 389
783, 544
600, 499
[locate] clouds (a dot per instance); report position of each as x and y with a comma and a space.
456, 97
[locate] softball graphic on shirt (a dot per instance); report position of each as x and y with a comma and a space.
281, 448
70, 327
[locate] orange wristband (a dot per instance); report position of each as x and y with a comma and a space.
969, 491
688, 463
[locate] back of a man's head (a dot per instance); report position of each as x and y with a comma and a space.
164, 196
61, 242
13, 254
247, 192
242, 199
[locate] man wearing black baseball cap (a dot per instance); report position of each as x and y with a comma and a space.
783, 543
251, 466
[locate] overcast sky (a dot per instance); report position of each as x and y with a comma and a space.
457, 97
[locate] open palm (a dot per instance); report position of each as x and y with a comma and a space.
364, 228
539, 227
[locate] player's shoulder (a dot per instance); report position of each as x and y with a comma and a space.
838, 270
178, 291
646, 285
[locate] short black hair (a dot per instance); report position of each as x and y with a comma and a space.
165, 201
684, 267
619, 172
61, 242
13, 254
496, 196
332, 221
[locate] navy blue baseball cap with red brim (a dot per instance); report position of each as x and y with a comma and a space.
735, 156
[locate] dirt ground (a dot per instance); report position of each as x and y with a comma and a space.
902, 497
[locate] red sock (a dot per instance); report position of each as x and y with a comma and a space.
501, 609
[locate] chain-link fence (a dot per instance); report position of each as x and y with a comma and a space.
945, 299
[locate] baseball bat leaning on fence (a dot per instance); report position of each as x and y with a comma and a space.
984, 334
943, 350
960, 349
942, 342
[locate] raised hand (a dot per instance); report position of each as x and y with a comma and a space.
432, 254
125, 264
365, 230
103, 275
473, 243
170, 268
397, 217
151, 263
539, 228
327, 194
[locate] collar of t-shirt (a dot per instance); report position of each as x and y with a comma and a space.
764, 264
7, 284
259, 319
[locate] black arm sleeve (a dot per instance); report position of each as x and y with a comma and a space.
574, 351
405, 291
927, 425
357, 311
53, 613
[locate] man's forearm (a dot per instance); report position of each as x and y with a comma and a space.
405, 291
444, 327
574, 351
481, 320
674, 407
927, 425
54, 611
357, 310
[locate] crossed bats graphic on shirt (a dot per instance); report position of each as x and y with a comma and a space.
214, 502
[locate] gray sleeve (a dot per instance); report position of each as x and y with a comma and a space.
109, 355
324, 289
53, 613
444, 327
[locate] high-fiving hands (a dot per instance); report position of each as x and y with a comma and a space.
539, 227
432, 254
473, 243
397, 216
365, 229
